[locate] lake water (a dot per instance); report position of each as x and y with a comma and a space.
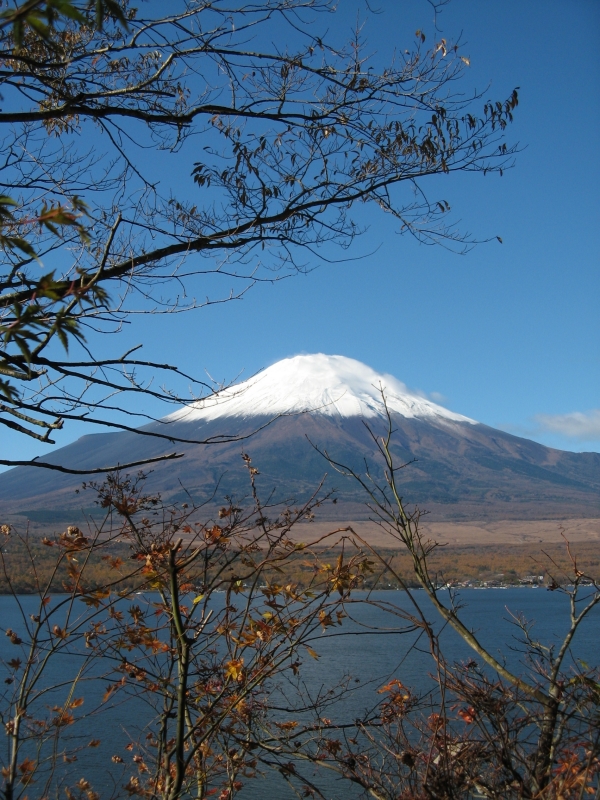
371, 657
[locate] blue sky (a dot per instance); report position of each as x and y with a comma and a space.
507, 334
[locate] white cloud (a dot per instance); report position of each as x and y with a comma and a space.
437, 397
577, 425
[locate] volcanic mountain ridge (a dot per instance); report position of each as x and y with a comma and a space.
460, 469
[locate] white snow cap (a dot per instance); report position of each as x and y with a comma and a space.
332, 385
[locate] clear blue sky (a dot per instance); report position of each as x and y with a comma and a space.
508, 334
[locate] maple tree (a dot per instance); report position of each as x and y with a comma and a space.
202, 647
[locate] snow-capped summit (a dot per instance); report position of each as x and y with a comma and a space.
332, 385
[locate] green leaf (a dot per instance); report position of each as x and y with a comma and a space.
66, 9
8, 391
104, 7
41, 28
17, 243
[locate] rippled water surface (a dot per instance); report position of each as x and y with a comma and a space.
367, 648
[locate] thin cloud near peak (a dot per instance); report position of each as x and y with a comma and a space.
438, 397
583, 425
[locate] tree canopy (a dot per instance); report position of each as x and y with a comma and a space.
279, 131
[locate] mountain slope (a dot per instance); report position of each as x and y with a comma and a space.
461, 469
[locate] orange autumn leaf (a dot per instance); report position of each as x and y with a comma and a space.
467, 714
234, 669
27, 768
287, 726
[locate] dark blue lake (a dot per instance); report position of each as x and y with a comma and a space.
367, 648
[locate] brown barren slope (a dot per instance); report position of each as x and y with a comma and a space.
476, 533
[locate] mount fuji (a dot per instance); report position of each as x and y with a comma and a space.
461, 468
333, 386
